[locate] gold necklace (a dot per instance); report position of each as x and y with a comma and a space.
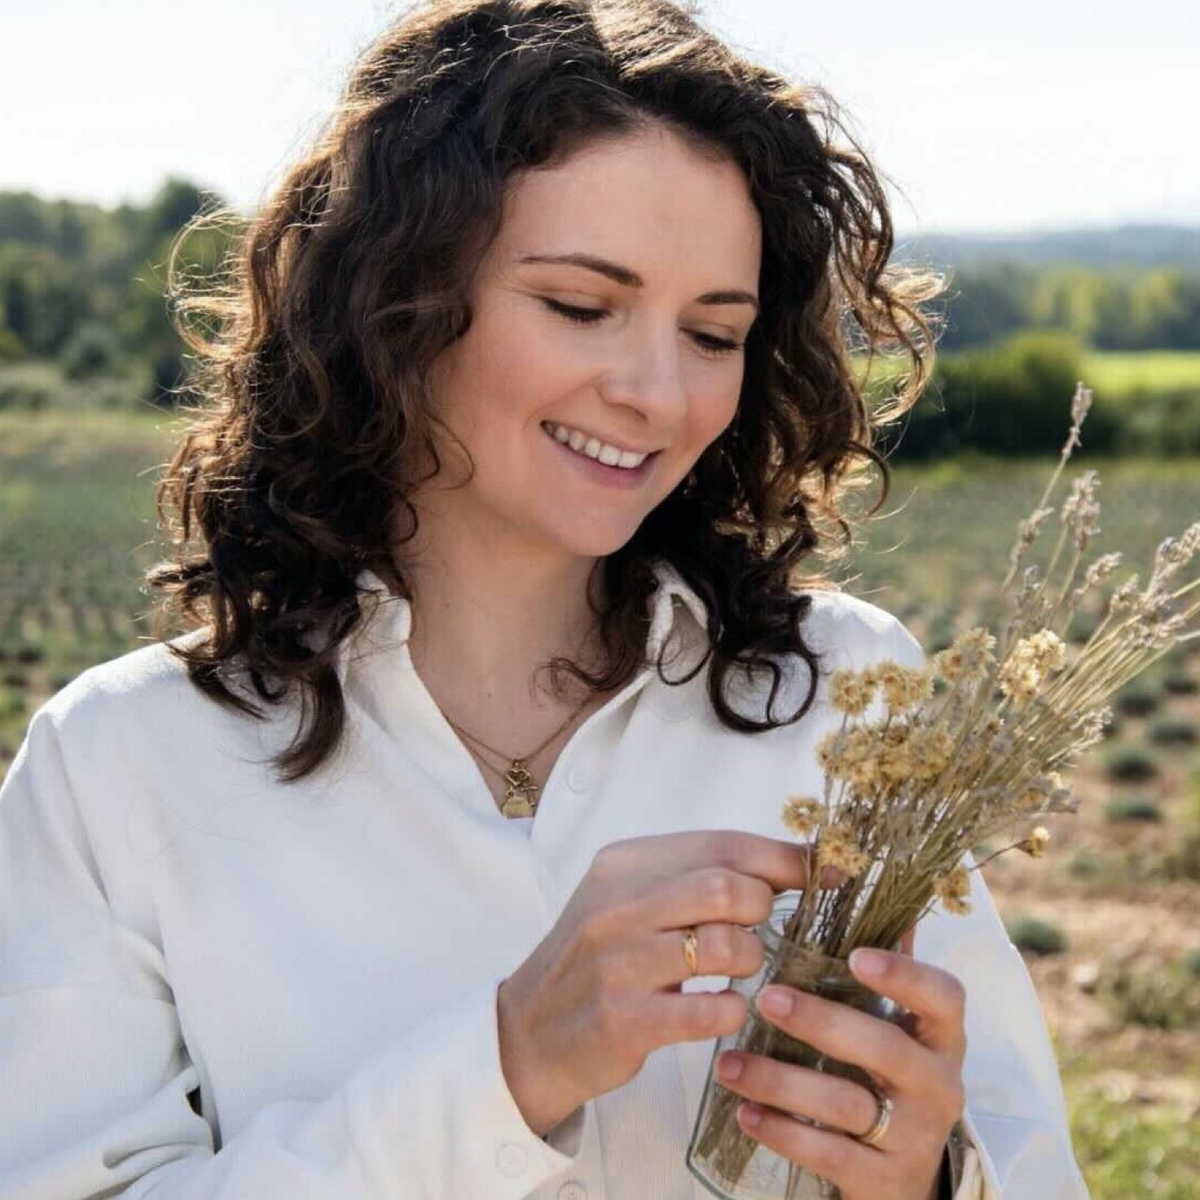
521, 792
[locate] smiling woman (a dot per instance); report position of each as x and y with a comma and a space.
418, 867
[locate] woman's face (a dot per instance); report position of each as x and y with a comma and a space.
585, 393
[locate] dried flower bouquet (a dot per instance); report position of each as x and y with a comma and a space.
928, 763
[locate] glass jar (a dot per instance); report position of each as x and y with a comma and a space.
727, 1160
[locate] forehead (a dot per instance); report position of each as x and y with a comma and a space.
647, 200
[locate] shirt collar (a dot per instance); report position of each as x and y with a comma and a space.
389, 617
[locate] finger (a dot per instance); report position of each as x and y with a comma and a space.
784, 865
668, 1017
708, 894
851, 1166
725, 950
815, 1095
935, 998
845, 1033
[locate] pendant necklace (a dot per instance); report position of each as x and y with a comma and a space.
521, 789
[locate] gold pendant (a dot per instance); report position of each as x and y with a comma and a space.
520, 797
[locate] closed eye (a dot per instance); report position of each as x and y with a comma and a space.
590, 316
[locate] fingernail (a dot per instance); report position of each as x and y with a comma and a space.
729, 1066
750, 1114
867, 964
775, 1002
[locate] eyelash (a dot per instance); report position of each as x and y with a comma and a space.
589, 316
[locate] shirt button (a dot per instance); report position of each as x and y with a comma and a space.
572, 1190
577, 778
511, 1159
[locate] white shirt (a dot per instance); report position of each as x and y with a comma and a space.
319, 961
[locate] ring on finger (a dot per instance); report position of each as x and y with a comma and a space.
879, 1127
689, 951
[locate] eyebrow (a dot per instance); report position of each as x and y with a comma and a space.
627, 278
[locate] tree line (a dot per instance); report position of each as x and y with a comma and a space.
82, 287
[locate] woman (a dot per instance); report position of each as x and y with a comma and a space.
532, 395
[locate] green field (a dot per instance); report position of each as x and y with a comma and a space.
1115, 373
77, 530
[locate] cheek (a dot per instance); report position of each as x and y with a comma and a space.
715, 414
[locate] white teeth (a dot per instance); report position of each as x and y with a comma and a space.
610, 456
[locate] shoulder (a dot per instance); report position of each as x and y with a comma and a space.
143, 699
135, 685
850, 632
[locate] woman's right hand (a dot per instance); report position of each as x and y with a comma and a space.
580, 1016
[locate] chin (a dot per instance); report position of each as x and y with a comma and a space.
596, 541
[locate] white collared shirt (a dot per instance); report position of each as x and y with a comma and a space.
317, 963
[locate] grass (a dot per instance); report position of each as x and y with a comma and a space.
1126, 1151
1114, 372
76, 531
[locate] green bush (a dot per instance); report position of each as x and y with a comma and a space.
1132, 808
1137, 699
1180, 683
1191, 962
91, 350
1173, 731
1032, 935
1165, 998
1011, 399
1087, 864
1130, 764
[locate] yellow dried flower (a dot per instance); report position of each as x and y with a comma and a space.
969, 658
802, 814
896, 764
1035, 844
1042, 792
1048, 650
903, 687
952, 889
851, 692
843, 752
839, 848
1032, 658
931, 750
1020, 679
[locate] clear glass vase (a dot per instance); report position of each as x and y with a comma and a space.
722, 1156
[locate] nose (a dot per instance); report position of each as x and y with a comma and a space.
649, 378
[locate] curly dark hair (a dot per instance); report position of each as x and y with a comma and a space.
296, 468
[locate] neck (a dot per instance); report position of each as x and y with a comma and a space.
484, 624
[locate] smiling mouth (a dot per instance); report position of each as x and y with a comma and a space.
604, 453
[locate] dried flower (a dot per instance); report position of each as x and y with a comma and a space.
838, 847
1081, 510
903, 687
952, 889
1035, 844
802, 814
851, 692
969, 658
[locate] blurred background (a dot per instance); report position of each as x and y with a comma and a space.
1035, 153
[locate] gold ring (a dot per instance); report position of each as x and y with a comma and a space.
879, 1127
689, 951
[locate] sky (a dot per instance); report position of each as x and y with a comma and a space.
985, 117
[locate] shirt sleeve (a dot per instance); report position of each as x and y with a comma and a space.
1017, 1136
98, 1084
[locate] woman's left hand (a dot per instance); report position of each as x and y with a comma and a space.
920, 1073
